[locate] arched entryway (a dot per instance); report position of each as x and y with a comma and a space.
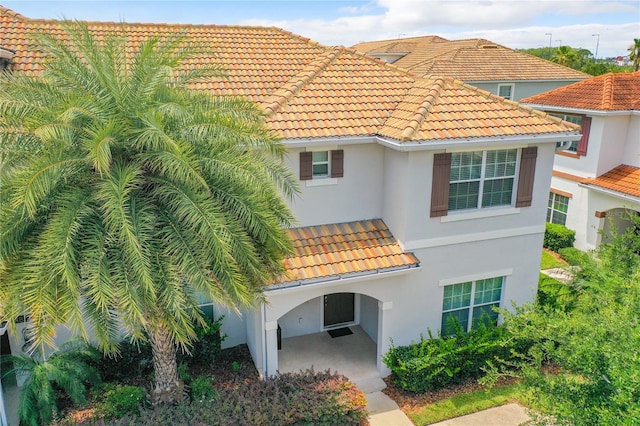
336, 331
618, 220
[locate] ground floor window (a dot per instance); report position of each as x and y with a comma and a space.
557, 209
469, 303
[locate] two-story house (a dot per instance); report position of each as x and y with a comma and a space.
422, 198
596, 181
482, 63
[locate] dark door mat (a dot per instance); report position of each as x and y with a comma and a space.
338, 332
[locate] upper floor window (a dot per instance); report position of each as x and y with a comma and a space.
557, 208
468, 304
321, 164
505, 91
480, 179
577, 147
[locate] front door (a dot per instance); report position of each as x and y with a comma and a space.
338, 309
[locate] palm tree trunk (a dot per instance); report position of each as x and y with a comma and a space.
169, 389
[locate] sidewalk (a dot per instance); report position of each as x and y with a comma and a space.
383, 411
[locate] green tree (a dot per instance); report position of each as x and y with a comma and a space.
69, 368
634, 53
124, 196
565, 55
593, 345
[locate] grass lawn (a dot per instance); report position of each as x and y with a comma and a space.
551, 260
466, 403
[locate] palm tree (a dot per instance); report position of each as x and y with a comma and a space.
68, 368
124, 196
564, 55
634, 53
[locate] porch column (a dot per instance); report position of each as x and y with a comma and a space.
271, 347
383, 337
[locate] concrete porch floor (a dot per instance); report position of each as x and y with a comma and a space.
353, 356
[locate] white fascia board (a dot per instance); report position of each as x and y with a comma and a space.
507, 80
336, 141
471, 143
437, 145
582, 111
611, 193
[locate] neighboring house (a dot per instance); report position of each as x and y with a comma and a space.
421, 198
482, 63
596, 181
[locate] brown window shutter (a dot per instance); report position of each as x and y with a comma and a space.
337, 163
440, 184
527, 176
585, 127
306, 165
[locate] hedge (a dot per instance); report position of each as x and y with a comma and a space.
558, 236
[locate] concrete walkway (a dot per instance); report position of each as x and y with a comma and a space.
383, 411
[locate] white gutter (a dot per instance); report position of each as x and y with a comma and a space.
340, 279
496, 141
610, 192
582, 111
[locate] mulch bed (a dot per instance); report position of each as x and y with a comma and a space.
409, 401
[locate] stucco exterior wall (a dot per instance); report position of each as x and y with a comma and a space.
356, 196
632, 149
612, 143
585, 166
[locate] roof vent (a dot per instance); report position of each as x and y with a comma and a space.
6, 56
489, 46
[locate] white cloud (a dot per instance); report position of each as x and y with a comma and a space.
508, 22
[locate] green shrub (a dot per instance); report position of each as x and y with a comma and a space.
134, 361
289, 399
119, 400
207, 345
202, 388
437, 362
558, 236
573, 256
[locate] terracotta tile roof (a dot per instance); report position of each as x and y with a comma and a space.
469, 60
313, 91
344, 249
608, 92
623, 179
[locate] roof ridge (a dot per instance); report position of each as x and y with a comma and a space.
607, 91
426, 106
295, 84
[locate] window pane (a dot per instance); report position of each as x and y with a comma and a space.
505, 91
485, 314
320, 169
456, 296
320, 156
460, 318
465, 166
501, 163
487, 291
497, 192
560, 218
463, 195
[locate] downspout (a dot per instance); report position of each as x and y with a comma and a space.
264, 340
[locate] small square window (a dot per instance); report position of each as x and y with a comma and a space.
320, 164
505, 91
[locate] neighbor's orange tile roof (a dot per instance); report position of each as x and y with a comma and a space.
313, 91
344, 249
608, 92
624, 179
470, 60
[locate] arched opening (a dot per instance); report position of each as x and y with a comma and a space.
618, 221
335, 331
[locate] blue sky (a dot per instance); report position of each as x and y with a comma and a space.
513, 23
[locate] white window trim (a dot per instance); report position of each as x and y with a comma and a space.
321, 180
460, 215
492, 209
504, 273
473, 305
511, 85
553, 204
